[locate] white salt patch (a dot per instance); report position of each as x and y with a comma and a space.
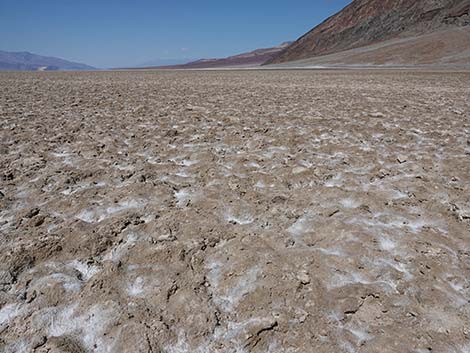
88, 216
120, 250
20, 346
182, 174
69, 283
455, 298
394, 222
182, 197
346, 346
457, 286
336, 181
153, 160
254, 165
260, 185
274, 347
136, 288
98, 214
65, 155
350, 203
243, 220
386, 244
189, 163
214, 274
89, 327
6, 221
148, 218
35, 179
229, 299
301, 226
332, 252
399, 267
245, 285
394, 194
129, 167
69, 191
239, 217
124, 205
365, 147
306, 164
181, 345
82, 186
274, 150
87, 270
360, 334
238, 329
341, 280
8, 312
136, 267
298, 170
361, 170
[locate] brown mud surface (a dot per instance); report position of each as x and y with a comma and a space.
249, 211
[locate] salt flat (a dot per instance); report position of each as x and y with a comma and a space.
235, 211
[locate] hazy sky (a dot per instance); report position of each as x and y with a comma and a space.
106, 33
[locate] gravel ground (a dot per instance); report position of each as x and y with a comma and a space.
235, 211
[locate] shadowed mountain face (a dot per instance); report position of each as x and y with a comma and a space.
254, 58
365, 22
24, 61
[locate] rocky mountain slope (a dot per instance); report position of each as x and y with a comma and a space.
366, 22
253, 58
445, 49
25, 61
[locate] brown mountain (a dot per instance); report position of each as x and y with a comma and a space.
252, 58
369, 22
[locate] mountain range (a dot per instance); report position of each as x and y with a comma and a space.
249, 59
25, 61
401, 31
371, 33
364, 33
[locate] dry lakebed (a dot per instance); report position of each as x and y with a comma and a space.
257, 211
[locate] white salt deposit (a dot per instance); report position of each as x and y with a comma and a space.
89, 326
87, 270
241, 217
244, 286
228, 299
136, 288
116, 253
182, 197
300, 226
350, 203
387, 244
98, 214
9, 312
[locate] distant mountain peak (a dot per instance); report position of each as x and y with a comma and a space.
26, 61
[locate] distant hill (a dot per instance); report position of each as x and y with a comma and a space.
371, 22
164, 62
252, 58
24, 61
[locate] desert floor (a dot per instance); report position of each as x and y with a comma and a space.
235, 211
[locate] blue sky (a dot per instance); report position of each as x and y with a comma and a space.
106, 33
